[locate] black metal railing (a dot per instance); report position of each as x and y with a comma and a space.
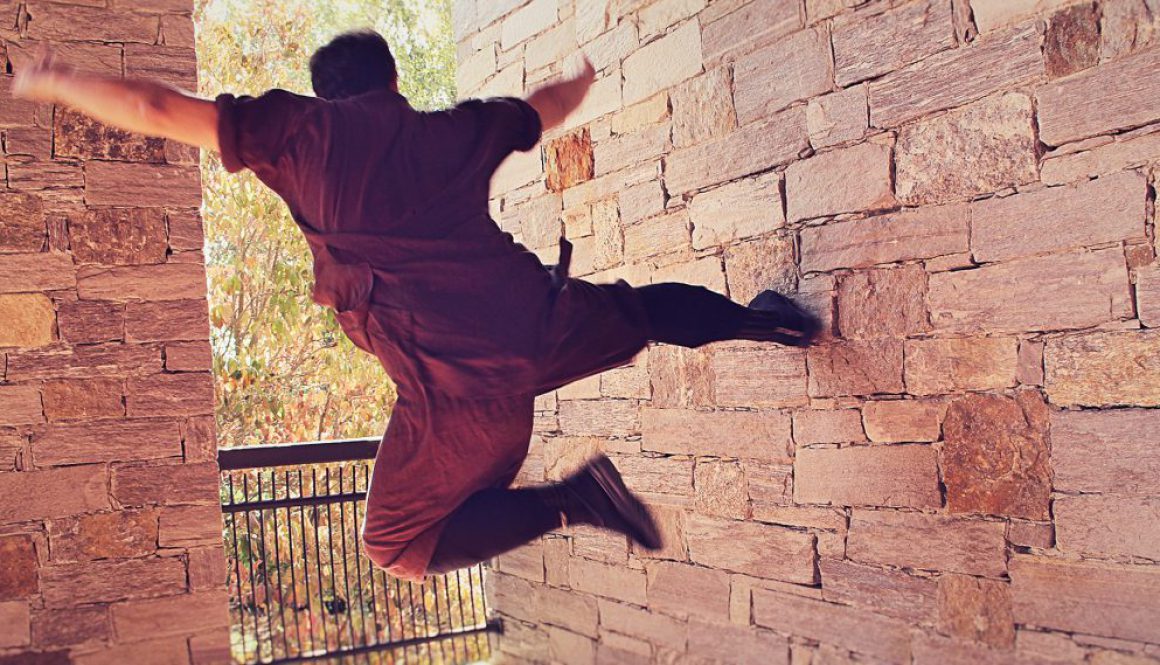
301, 589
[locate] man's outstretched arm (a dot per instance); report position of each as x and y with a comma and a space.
143, 106
554, 101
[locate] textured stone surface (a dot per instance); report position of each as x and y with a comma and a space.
70, 626
90, 322
615, 582
132, 184
104, 535
28, 320
1107, 526
1105, 451
104, 581
956, 76
936, 366
995, 458
1109, 209
189, 526
1072, 42
903, 476
107, 440
119, 236
568, 160
882, 303
1096, 599
845, 180
856, 368
758, 375
137, 485
166, 320
176, 615
1036, 293
838, 118
18, 576
899, 421
754, 549
26, 273
827, 426
53, 493
1148, 295
791, 69
749, 27
165, 281
175, 65
888, 592
16, 630
737, 644
83, 398
77, 136
1103, 369
952, 544
1118, 95
720, 489
82, 361
974, 150
703, 108
916, 234
860, 630
1108, 155
663, 63
753, 267
976, 609
745, 208
170, 395
22, 223
750, 149
868, 48
747, 434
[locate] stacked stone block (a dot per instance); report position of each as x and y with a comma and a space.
110, 529
965, 469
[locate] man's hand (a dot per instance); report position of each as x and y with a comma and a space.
143, 106
37, 81
554, 101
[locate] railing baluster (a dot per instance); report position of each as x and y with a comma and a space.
278, 570
265, 568
306, 563
237, 566
318, 561
293, 567
342, 535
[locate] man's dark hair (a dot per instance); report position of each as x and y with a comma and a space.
353, 63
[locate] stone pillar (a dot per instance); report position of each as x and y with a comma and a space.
110, 530
963, 190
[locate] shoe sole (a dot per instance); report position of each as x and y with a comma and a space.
631, 509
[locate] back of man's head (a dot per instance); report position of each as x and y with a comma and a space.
353, 63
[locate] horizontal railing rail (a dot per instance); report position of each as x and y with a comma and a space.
301, 589
297, 454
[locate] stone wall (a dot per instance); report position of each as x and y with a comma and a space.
110, 533
966, 469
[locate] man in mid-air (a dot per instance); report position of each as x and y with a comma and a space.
470, 325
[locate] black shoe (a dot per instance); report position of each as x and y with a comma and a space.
787, 322
601, 499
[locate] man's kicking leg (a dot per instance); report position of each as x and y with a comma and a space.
692, 316
494, 521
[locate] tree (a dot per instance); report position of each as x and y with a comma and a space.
285, 372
